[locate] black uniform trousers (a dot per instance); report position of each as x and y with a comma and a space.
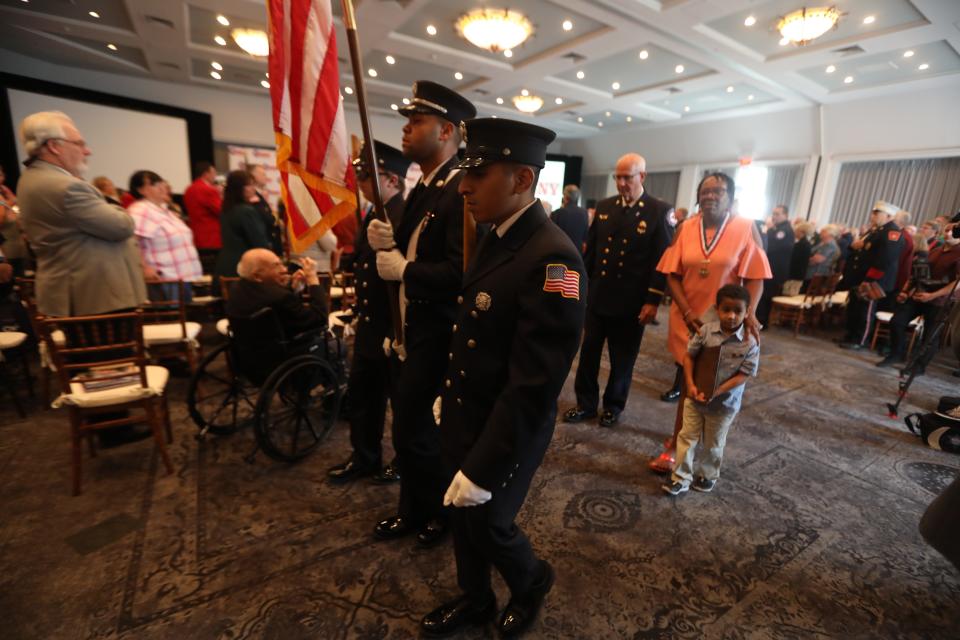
372, 381
623, 335
860, 318
903, 313
486, 536
416, 436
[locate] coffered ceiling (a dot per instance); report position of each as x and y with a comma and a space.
598, 65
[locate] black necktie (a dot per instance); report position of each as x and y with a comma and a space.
487, 245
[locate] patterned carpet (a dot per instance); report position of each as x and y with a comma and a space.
811, 532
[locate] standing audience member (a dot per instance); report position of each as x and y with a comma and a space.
905, 261
930, 230
241, 226
572, 218
166, 243
779, 248
270, 223
204, 204
106, 187
346, 232
624, 244
679, 215
823, 262
12, 246
87, 258
802, 249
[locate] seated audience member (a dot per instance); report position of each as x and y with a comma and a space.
105, 186
203, 203
241, 225
823, 261
679, 215
844, 240
265, 282
11, 239
87, 258
802, 248
924, 294
166, 243
346, 231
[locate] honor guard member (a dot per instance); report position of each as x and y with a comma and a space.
516, 334
880, 254
372, 379
628, 235
425, 254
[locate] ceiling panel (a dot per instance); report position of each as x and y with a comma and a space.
732, 96
607, 120
204, 28
405, 71
634, 69
247, 76
112, 13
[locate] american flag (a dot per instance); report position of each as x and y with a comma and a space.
564, 281
317, 180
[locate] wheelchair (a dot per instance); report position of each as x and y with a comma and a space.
289, 389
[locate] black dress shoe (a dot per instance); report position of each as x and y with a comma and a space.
890, 361
432, 534
577, 414
609, 418
670, 395
347, 471
453, 616
852, 346
522, 610
388, 475
392, 528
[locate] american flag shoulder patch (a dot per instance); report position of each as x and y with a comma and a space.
562, 280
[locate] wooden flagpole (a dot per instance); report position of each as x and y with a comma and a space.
353, 41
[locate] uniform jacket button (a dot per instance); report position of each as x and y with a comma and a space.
473, 314
503, 486
454, 328
463, 374
603, 273
459, 299
447, 383
366, 318
366, 265
472, 343
450, 355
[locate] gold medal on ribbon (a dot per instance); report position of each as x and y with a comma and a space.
704, 268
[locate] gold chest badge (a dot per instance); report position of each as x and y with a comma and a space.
483, 301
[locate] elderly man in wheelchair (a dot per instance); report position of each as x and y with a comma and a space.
278, 343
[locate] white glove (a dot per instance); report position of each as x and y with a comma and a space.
463, 493
390, 265
380, 235
387, 351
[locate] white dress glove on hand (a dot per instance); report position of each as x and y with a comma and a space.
380, 235
390, 265
463, 493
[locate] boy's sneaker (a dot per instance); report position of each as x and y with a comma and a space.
704, 485
675, 488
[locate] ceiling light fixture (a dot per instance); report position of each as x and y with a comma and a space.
615, 86
431, 30
629, 118
579, 118
222, 19
567, 25
406, 101
394, 106
217, 66
215, 75
750, 97
499, 100
923, 67
558, 100
784, 42
805, 25
869, 20
527, 103
508, 53
848, 80
93, 14
730, 89
908, 53
830, 69
391, 60
372, 72
494, 29
524, 93
679, 68
267, 75
112, 47
599, 124
253, 41
580, 75
348, 91
686, 109
265, 84
644, 54
750, 21
607, 113
458, 75
220, 41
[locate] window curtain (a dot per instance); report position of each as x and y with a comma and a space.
925, 187
663, 185
783, 186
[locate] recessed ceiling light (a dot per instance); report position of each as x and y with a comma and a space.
222, 19
750, 97
93, 14
458, 75
615, 86
848, 80
869, 20
524, 92
215, 75
686, 109
784, 41
567, 25
908, 53
607, 113
730, 89
220, 41
644, 54
499, 100
558, 100
112, 47
629, 118
750, 21
678, 68
580, 75
830, 69
348, 91
493, 116
406, 101
923, 67
508, 53
391, 60
431, 30
217, 66
599, 124
265, 84
372, 72
394, 106
267, 75
579, 118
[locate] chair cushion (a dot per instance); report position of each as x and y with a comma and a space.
883, 316
839, 298
223, 326
169, 333
156, 383
790, 301
337, 292
11, 339
199, 301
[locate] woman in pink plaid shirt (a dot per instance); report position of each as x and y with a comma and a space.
166, 243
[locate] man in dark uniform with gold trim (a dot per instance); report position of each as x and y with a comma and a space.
516, 334
424, 253
372, 371
628, 235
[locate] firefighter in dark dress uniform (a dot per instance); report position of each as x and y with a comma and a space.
515, 336
877, 263
372, 379
628, 235
424, 253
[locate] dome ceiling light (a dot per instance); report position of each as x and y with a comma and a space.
807, 24
253, 41
528, 103
494, 29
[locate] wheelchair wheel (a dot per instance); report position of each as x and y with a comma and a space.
298, 406
218, 400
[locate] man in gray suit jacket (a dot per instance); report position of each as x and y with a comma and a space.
88, 261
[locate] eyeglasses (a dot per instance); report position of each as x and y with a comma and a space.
80, 143
713, 192
623, 177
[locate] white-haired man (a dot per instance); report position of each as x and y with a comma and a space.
87, 258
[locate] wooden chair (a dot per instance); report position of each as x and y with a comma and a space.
13, 341
223, 324
102, 367
26, 291
166, 331
804, 309
881, 330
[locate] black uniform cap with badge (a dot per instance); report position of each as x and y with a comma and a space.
492, 140
389, 159
437, 100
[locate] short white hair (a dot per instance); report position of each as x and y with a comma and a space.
37, 128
